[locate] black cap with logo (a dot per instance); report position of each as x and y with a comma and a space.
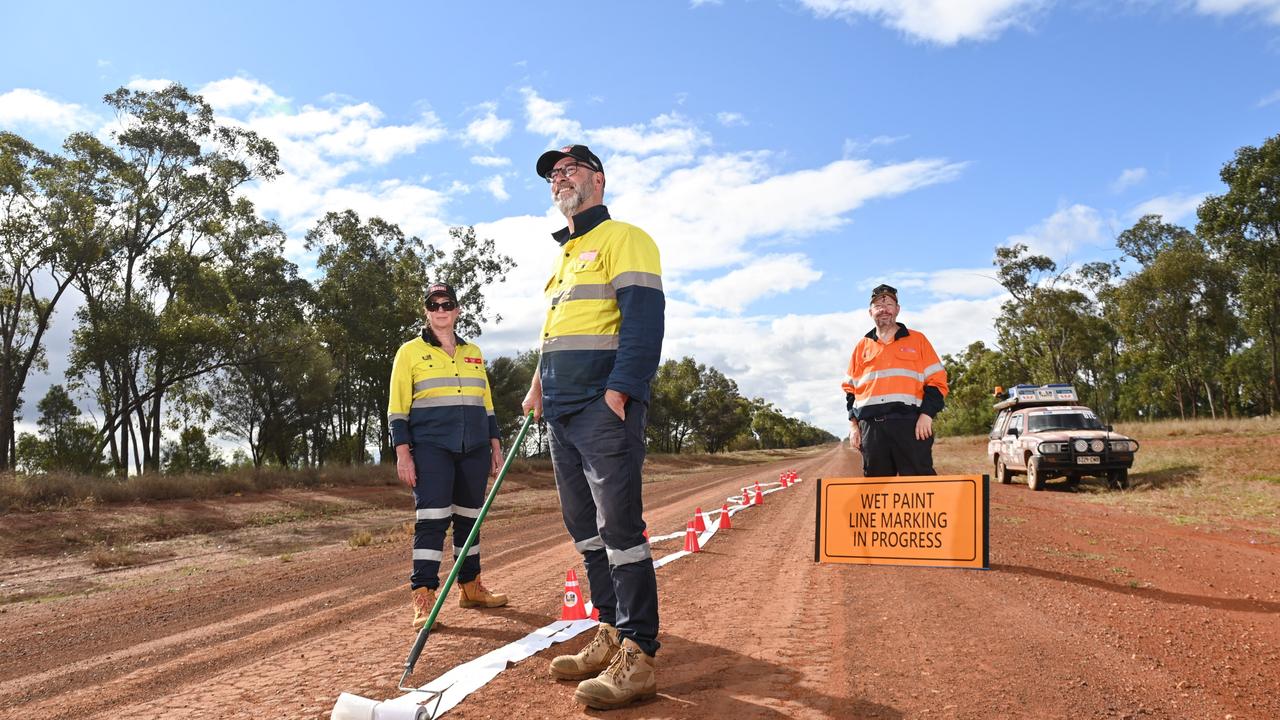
581, 153
883, 289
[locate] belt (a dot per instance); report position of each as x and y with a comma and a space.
895, 416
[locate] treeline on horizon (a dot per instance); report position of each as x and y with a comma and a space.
193, 321
1185, 325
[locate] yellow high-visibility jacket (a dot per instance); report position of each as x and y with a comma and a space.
440, 400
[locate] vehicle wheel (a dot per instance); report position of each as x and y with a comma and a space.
1035, 479
1118, 479
1002, 472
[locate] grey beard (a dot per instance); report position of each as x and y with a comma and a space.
569, 205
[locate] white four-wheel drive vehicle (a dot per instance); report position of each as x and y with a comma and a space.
1044, 432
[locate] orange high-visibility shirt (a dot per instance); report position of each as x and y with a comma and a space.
893, 378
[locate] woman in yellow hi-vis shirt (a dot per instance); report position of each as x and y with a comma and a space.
447, 445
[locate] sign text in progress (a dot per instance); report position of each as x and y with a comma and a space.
928, 520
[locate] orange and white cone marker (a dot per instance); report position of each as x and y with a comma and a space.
759, 497
725, 522
573, 609
698, 523
691, 539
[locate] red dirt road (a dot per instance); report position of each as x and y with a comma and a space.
1087, 612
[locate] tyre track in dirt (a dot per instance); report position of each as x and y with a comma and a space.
1087, 612
164, 638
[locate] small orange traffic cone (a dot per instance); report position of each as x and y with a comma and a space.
573, 609
725, 522
646, 533
698, 523
691, 539
759, 498
782, 479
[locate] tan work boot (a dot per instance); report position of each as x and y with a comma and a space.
475, 594
593, 658
424, 599
630, 677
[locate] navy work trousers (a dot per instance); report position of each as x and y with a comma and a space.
450, 490
597, 458
890, 447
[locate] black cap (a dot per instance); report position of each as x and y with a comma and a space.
441, 289
883, 289
581, 153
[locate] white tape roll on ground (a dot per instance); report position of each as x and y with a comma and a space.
354, 707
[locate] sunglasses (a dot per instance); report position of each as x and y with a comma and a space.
447, 306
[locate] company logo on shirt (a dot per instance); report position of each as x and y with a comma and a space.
475, 361
588, 256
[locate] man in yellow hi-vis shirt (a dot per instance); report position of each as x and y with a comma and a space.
600, 347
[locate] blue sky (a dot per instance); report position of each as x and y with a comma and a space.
786, 155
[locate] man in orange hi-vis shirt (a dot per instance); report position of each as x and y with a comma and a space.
895, 387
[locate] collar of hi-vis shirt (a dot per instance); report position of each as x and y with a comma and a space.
583, 223
902, 332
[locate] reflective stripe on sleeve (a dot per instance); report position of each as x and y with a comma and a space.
934, 368
636, 278
628, 556
392, 417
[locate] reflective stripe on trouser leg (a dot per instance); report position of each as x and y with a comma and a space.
445, 481
600, 489
468, 497
579, 512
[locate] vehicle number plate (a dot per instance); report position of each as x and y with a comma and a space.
1089, 460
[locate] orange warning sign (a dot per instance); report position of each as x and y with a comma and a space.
937, 520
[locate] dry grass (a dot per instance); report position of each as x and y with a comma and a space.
360, 539
104, 558
24, 493
1207, 474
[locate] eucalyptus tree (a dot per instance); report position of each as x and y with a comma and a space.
1243, 224
153, 305
1174, 313
50, 208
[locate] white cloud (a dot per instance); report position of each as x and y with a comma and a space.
1064, 232
488, 130
705, 215
731, 119
1268, 9
148, 84
496, 188
1270, 99
1128, 178
238, 92
490, 161
33, 108
854, 148
666, 133
548, 118
941, 284
1175, 208
768, 275
945, 22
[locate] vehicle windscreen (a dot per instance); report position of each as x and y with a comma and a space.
1062, 421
